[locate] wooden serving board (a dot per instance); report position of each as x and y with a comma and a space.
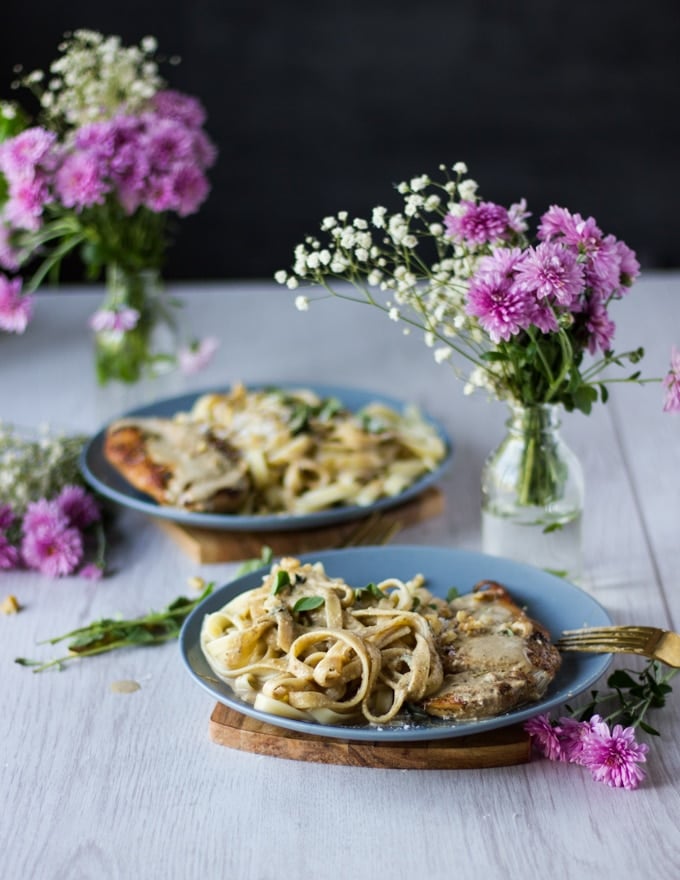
497, 748
207, 546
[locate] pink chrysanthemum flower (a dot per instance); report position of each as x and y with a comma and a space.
613, 757
672, 384
600, 326
91, 572
53, 551
20, 155
499, 305
546, 737
9, 555
49, 543
27, 199
518, 215
78, 506
6, 516
501, 262
43, 514
551, 272
16, 308
573, 734
79, 181
204, 149
167, 143
559, 223
628, 264
114, 320
195, 357
480, 223
603, 268
189, 189
182, 108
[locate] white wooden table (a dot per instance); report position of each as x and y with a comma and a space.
95, 784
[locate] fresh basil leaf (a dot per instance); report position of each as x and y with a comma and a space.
308, 603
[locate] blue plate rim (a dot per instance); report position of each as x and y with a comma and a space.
102, 477
578, 672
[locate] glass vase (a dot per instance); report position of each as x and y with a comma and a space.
533, 494
147, 349
137, 365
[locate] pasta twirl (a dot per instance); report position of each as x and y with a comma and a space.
308, 646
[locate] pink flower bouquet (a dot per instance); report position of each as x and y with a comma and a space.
516, 316
117, 154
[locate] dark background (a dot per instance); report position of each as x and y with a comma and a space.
319, 106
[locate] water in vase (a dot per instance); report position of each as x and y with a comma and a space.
555, 548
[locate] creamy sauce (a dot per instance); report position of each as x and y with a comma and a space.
199, 469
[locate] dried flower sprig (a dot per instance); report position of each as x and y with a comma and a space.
105, 635
607, 745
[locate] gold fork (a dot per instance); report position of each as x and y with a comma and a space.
649, 641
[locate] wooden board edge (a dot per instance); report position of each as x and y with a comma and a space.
503, 747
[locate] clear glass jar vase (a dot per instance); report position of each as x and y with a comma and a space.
533, 494
148, 348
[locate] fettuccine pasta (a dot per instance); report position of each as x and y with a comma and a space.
307, 646
304, 453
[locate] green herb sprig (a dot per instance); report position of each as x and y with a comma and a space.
108, 634
633, 693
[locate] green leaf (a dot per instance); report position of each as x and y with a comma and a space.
308, 603
453, 593
372, 590
620, 679
649, 729
281, 581
264, 559
553, 527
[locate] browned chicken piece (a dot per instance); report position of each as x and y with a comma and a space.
179, 464
495, 657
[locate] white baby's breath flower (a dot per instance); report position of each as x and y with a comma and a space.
378, 217
292, 283
374, 278
467, 190
302, 303
411, 205
394, 314
460, 168
442, 354
419, 183
281, 276
328, 223
402, 187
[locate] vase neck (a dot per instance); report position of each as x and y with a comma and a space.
539, 418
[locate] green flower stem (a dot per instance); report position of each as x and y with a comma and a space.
405, 319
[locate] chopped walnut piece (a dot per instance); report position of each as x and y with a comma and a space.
10, 605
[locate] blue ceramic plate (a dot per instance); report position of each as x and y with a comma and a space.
554, 602
106, 480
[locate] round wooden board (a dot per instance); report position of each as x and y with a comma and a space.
497, 748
